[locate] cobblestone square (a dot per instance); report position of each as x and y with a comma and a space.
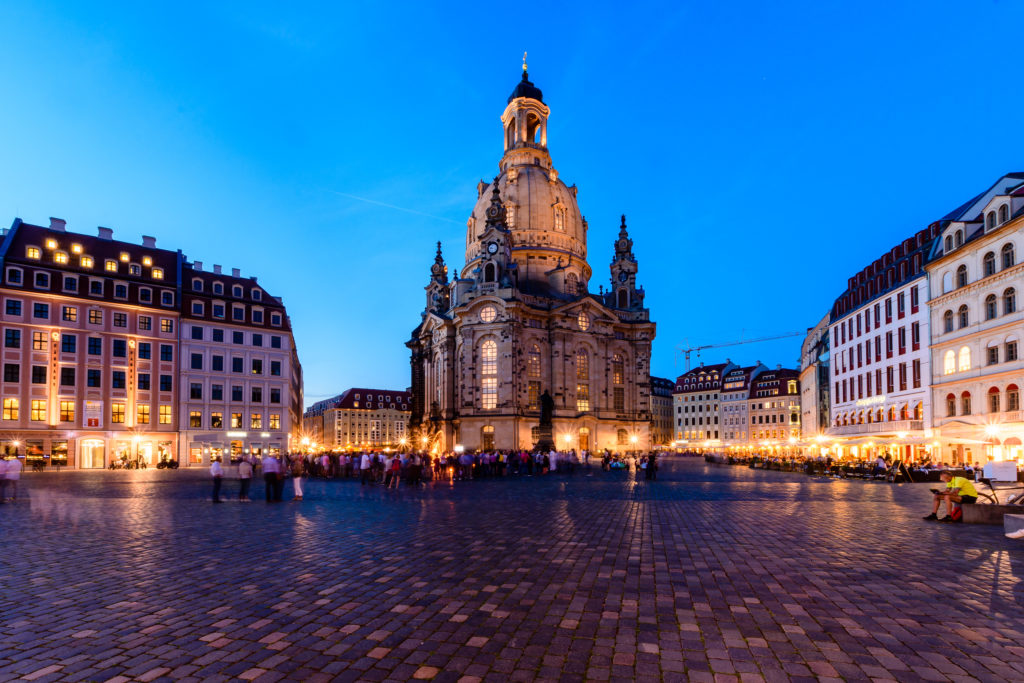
710, 573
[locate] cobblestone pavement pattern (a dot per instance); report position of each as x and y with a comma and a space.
711, 573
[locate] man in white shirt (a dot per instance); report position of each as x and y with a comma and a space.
217, 472
244, 479
270, 471
364, 468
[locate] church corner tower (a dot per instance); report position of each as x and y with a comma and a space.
520, 319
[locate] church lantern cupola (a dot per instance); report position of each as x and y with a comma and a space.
525, 119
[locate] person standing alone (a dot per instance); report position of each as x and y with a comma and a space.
244, 480
270, 472
217, 472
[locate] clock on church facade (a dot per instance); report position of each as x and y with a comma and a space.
521, 319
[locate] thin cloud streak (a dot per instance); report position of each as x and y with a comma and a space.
391, 206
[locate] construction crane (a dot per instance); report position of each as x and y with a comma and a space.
698, 349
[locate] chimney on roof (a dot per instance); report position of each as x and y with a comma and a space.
216, 269
235, 272
198, 265
253, 278
105, 233
148, 241
58, 224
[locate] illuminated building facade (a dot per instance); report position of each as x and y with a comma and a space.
880, 364
95, 371
661, 411
90, 347
977, 326
697, 402
521, 319
241, 382
360, 418
773, 408
734, 404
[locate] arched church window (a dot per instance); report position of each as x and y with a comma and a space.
489, 375
510, 215
582, 381
618, 379
559, 218
533, 362
489, 273
572, 284
623, 299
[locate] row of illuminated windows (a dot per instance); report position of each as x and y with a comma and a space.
94, 345
196, 362
69, 284
93, 377
195, 420
880, 415
195, 393
218, 288
69, 314
38, 410
961, 360
963, 317
197, 333
217, 310
85, 261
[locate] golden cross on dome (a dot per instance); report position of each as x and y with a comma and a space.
524, 61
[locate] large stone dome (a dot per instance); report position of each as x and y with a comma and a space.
542, 214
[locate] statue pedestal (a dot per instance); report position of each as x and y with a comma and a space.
545, 440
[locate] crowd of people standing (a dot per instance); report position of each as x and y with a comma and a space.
416, 469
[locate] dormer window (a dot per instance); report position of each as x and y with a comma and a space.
86, 262
147, 261
256, 295
76, 248
218, 287
134, 269
33, 253
60, 257
110, 265
197, 285
990, 220
958, 239
1004, 214
236, 291
158, 273
51, 244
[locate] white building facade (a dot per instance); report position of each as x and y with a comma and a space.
977, 327
880, 362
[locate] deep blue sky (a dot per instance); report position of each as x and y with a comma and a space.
762, 152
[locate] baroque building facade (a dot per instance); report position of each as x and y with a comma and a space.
520, 319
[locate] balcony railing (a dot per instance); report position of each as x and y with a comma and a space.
876, 428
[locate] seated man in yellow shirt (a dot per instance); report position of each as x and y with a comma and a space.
958, 490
